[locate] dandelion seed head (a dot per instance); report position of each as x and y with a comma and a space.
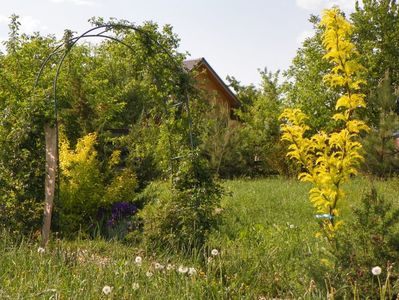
138, 260
107, 289
215, 252
376, 270
182, 269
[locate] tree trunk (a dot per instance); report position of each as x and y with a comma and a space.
51, 172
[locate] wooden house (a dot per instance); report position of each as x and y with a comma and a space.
209, 82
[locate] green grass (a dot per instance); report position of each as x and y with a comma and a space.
266, 241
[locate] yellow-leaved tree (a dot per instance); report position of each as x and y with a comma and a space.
328, 159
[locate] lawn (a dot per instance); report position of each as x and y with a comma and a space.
266, 248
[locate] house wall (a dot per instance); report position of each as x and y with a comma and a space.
210, 85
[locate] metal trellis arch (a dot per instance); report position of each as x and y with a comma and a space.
51, 132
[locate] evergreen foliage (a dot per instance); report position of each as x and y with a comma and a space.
380, 152
249, 145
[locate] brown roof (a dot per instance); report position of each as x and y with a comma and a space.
191, 64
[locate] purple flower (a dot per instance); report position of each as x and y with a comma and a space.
119, 211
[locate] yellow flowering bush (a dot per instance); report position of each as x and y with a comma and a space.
81, 188
328, 159
85, 187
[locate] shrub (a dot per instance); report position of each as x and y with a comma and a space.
371, 239
142, 156
329, 159
21, 217
182, 217
83, 188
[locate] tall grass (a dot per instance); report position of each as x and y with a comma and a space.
266, 243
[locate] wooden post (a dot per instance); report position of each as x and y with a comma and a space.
51, 172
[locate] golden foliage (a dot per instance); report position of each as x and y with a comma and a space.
330, 159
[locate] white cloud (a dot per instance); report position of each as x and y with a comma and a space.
76, 2
29, 24
317, 5
304, 35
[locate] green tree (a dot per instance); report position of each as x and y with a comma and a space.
262, 126
380, 152
21, 127
376, 35
305, 87
250, 146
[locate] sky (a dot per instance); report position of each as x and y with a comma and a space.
236, 37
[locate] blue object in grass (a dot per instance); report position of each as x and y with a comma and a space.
324, 216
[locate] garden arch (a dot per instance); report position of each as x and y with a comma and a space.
51, 131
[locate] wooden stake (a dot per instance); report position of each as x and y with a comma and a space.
51, 172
